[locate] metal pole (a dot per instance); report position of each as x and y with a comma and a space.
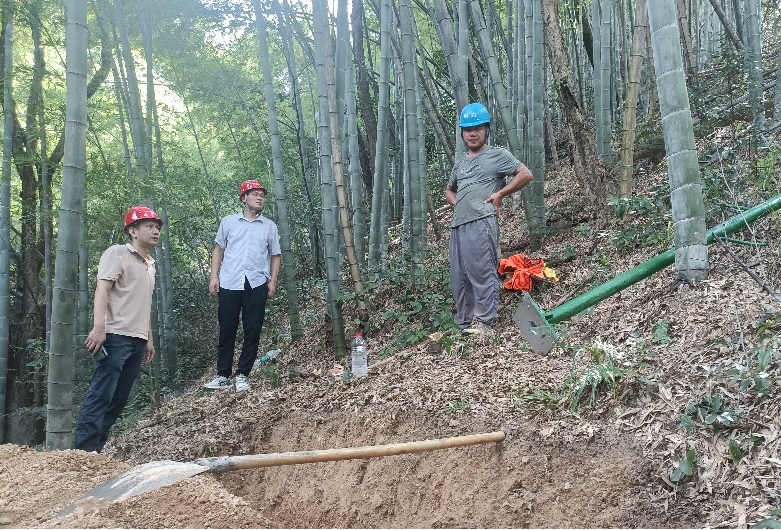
655, 264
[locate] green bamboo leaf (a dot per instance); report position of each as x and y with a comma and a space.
763, 359
734, 451
687, 423
715, 403
768, 523
684, 469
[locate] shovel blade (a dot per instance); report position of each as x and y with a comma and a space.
138, 480
533, 326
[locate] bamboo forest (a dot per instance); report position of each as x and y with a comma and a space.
332, 342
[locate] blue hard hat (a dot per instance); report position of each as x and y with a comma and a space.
474, 114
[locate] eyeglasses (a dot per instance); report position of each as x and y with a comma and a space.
256, 194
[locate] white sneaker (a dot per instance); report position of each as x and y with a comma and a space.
218, 383
242, 383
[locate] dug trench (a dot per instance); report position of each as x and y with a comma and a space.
525, 481
535, 478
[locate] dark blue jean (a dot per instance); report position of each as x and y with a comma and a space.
112, 380
251, 305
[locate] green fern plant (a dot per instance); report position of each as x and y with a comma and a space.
456, 406
610, 366
536, 395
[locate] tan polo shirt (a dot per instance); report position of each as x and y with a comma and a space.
130, 298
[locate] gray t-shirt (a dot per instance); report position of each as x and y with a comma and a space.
477, 178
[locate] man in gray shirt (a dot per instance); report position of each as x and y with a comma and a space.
476, 189
245, 265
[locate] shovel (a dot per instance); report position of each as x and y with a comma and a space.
153, 475
536, 326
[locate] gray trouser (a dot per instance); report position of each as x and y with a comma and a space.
474, 280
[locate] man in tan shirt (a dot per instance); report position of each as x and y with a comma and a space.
121, 338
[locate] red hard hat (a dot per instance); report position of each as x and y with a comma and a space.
248, 185
139, 213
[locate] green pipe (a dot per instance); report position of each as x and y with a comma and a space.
655, 264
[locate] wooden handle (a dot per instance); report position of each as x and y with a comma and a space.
231, 463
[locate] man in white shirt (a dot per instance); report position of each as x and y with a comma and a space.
244, 268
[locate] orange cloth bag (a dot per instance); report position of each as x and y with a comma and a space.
522, 269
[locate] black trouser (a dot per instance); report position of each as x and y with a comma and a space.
112, 380
251, 303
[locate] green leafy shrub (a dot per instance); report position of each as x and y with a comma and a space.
710, 411
685, 467
411, 312
645, 221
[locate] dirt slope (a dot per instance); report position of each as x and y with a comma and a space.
603, 465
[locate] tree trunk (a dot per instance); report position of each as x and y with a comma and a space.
500, 94
626, 161
588, 171
25, 386
381, 161
323, 55
600, 15
307, 169
280, 189
444, 26
5, 217
691, 248
159, 307
365, 89
727, 26
754, 63
688, 50
535, 100
354, 156
59, 416
412, 195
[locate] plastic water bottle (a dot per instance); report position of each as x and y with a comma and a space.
359, 362
268, 357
